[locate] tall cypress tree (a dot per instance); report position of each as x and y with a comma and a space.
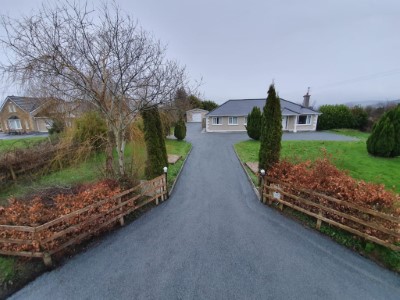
253, 126
271, 131
180, 130
157, 157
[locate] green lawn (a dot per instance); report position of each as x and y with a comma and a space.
178, 148
350, 156
352, 132
6, 145
91, 170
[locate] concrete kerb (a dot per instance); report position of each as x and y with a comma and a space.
180, 171
247, 174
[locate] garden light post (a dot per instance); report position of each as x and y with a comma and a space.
262, 173
165, 169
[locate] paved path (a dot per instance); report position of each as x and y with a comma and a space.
214, 240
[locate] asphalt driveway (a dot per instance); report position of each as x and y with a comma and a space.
4, 136
214, 240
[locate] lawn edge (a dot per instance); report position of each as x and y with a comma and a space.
180, 171
247, 174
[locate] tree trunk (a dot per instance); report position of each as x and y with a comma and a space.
120, 142
109, 154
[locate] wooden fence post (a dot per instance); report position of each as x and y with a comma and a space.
163, 189
154, 184
121, 219
319, 221
14, 177
48, 262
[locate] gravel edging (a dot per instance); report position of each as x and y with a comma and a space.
247, 174
180, 171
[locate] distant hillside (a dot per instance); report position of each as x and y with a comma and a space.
373, 103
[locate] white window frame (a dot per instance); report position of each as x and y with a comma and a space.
17, 123
217, 120
245, 121
230, 121
26, 124
308, 120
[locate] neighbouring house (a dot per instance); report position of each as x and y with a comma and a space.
196, 115
232, 115
29, 114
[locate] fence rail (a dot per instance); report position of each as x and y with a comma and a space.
372, 225
71, 228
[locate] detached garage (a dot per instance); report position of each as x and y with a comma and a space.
195, 115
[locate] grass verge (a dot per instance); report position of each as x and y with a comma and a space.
176, 147
350, 156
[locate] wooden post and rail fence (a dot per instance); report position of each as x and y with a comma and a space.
372, 225
44, 240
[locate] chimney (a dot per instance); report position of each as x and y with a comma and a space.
306, 101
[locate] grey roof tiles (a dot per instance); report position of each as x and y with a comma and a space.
242, 107
29, 104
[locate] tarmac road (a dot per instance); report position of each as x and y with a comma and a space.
213, 240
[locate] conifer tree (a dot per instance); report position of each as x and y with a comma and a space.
253, 126
155, 143
384, 140
271, 131
180, 130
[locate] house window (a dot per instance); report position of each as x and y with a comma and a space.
245, 120
11, 108
217, 121
232, 121
14, 123
49, 124
304, 120
26, 124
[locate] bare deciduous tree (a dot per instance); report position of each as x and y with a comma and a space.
101, 56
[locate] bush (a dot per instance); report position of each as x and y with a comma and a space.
41, 209
384, 140
322, 176
360, 118
91, 128
335, 117
57, 127
180, 130
254, 123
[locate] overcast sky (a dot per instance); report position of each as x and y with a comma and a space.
345, 50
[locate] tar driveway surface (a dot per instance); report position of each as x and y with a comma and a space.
214, 240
